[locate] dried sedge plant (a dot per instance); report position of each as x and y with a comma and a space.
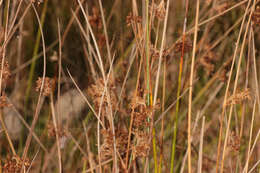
14, 164
49, 85
187, 46
234, 142
222, 76
6, 71
3, 101
95, 91
155, 53
158, 10
256, 16
52, 133
95, 20
239, 97
142, 145
107, 147
133, 19
208, 62
142, 120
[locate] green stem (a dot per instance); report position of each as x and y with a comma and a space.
177, 109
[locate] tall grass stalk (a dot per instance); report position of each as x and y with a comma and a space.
191, 85
175, 126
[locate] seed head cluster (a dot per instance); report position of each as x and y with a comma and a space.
14, 164
48, 86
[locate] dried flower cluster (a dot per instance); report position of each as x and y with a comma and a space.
187, 46
155, 53
97, 90
48, 86
256, 16
14, 164
159, 10
207, 62
234, 142
52, 132
3, 102
107, 147
132, 19
6, 71
239, 97
142, 119
223, 73
95, 20
142, 145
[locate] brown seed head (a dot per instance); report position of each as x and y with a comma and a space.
49, 85
14, 164
132, 19
256, 16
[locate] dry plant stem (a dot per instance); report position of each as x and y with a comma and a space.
193, 131
201, 146
250, 139
160, 56
132, 115
56, 132
255, 71
191, 86
40, 99
105, 31
157, 78
175, 126
235, 86
6, 133
227, 88
148, 87
59, 76
243, 107
162, 123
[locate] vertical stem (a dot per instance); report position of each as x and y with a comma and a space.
191, 85
162, 125
178, 91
